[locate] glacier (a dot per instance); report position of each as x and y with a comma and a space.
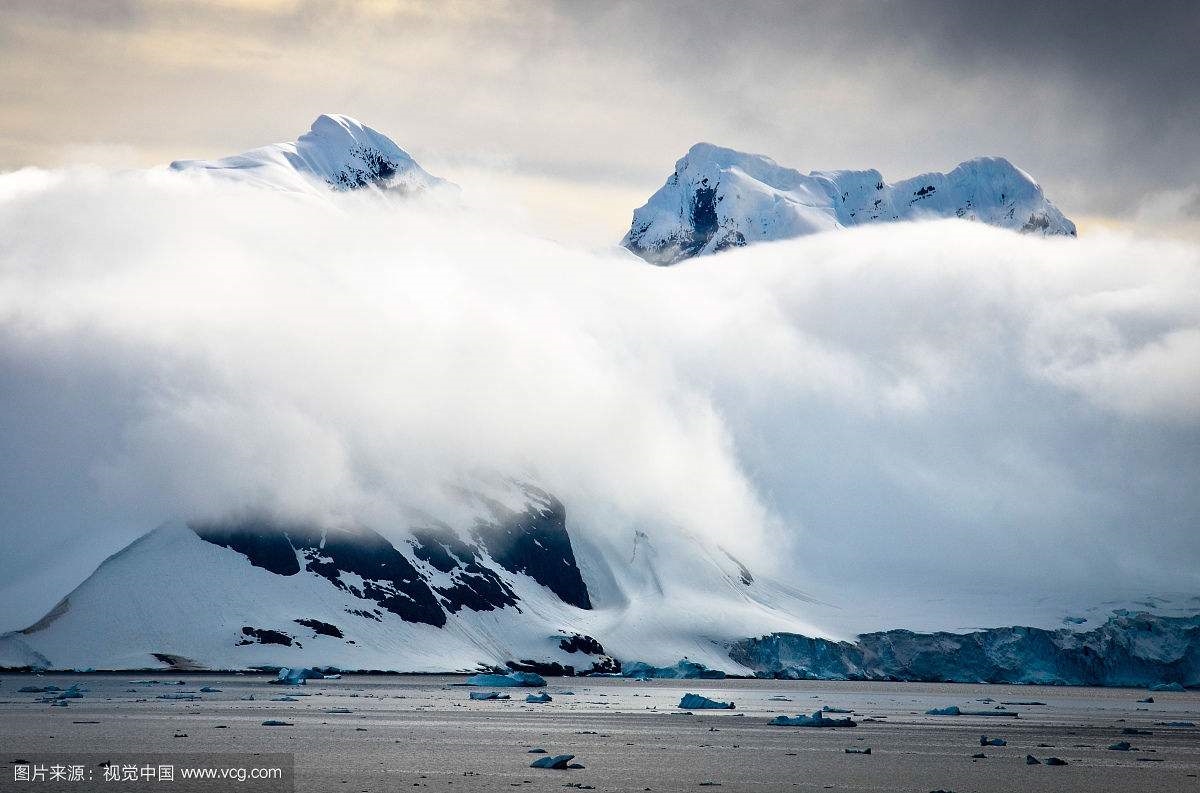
1129, 649
719, 198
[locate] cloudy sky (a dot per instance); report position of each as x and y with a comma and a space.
584, 107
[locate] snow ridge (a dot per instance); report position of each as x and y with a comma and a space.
719, 198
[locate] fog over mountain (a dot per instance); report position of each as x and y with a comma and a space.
928, 425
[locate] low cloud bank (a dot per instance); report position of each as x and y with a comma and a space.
877, 413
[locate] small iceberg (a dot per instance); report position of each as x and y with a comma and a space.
697, 702
296, 677
277, 723
986, 741
1176, 686
538, 698
951, 710
859, 751
817, 719
210, 690
557, 762
511, 680
683, 670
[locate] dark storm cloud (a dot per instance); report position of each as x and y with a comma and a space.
1098, 99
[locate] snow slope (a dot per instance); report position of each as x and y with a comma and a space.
719, 198
509, 585
337, 153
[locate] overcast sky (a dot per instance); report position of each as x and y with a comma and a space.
584, 107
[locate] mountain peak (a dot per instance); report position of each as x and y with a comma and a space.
338, 151
721, 198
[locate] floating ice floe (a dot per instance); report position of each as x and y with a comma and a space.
986, 741
697, 702
954, 710
817, 719
210, 690
538, 698
277, 723
488, 695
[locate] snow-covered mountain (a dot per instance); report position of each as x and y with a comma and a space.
512, 587
337, 153
508, 586
719, 198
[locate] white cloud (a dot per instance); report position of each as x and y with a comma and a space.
882, 406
